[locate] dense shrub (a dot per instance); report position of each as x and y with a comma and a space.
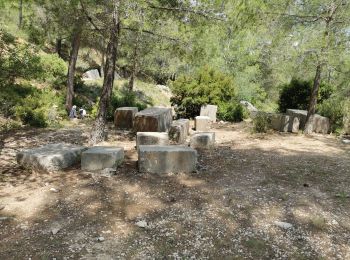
261, 123
296, 94
334, 109
232, 112
206, 86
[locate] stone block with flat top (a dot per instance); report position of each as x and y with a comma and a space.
101, 157
210, 111
202, 123
167, 159
124, 117
179, 130
152, 138
154, 119
204, 140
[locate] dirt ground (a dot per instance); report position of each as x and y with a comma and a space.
227, 209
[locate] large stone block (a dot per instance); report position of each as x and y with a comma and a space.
210, 111
284, 123
154, 119
203, 140
202, 123
167, 159
179, 130
51, 157
152, 138
301, 114
321, 124
101, 157
124, 117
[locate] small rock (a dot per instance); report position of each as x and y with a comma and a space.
141, 224
4, 218
283, 225
334, 222
54, 231
100, 239
346, 141
53, 190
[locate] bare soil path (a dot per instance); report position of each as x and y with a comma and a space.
227, 209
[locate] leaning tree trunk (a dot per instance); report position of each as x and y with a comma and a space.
71, 68
20, 13
313, 101
97, 134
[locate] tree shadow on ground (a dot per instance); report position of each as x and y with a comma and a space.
225, 210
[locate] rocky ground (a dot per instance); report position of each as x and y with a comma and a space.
272, 196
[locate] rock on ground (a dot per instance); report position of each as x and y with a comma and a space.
154, 119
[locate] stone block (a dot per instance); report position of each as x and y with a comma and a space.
301, 114
321, 124
101, 157
152, 138
284, 123
154, 119
51, 157
203, 140
202, 123
210, 111
179, 130
124, 117
167, 159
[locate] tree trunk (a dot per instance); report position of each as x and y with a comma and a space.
71, 67
102, 64
313, 101
20, 14
134, 63
59, 47
97, 134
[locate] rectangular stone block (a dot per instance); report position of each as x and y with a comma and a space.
167, 159
300, 114
203, 140
210, 111
101, 157
179, 130
284, 123
124, 117
152, 138
154, 119
51, 157
321, 124
202, 123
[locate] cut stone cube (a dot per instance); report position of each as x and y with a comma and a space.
101, 157
154, 119
202, 123
124, 117
203, 140
152, 138
210, 111
167, 159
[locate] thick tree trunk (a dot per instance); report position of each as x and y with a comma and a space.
313, 101
97, 134
71, 68
20, 14
134, 63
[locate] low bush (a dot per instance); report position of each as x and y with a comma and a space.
334, 109
206, 86
261, 123
232, 112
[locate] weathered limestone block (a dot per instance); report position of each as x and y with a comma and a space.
202, 123
203, 140
167, 159
152, 138
284, 123
321, 124
101, 157
154, 119
179, 130
124, 117
301, 114
210, 111
51, 157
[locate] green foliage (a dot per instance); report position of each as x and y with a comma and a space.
232, 112
333, 108
53, 68
206, 86
261, 123
296, 94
